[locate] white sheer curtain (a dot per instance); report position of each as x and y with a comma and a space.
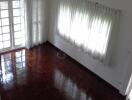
87, 25
34, 22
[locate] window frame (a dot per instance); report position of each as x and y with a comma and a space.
11, 26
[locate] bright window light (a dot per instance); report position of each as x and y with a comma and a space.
11, 25
84, 29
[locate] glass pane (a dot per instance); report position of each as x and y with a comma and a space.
16, 4
4, 13
16, 12
5, 29
3, 5
17, 20
17, 27
18, 35
0, 38
5, 21
6, 37
1, 45
18, 41
6, 44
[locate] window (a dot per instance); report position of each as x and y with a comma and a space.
11, 25
88, 25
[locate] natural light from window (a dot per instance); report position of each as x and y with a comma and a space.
84, 29
11, 25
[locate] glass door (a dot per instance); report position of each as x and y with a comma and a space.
5, 32
11, 25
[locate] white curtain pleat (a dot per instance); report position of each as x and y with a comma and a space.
87, 25
34, 22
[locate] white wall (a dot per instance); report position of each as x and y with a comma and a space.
119, 72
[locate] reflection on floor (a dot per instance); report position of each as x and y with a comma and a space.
130, 96
12, 66
69, 87
38, 74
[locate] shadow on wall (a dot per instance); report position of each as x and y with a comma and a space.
69, 88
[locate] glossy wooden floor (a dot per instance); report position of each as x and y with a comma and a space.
38, 74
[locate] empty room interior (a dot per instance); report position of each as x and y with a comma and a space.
65, 50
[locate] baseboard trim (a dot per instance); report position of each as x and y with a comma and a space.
84, 67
